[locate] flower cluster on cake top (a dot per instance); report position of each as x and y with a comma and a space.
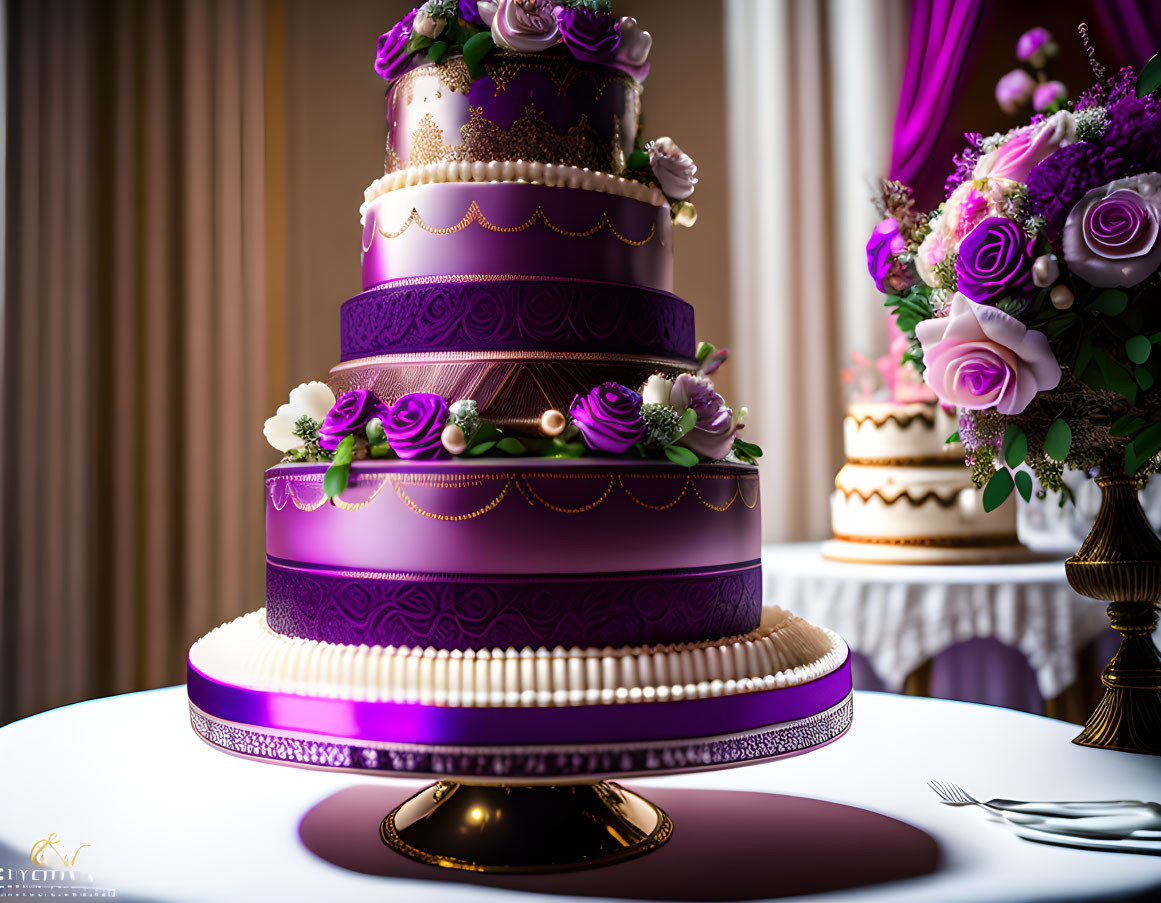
683, 420
585, 29
1031, 297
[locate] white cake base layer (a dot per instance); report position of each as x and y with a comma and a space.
785, 651
875, 553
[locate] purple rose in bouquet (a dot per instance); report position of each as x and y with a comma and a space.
593, 37
712, 436
994, 262
1013, 90
1110, 237
415, 423
609, 417
349, 414
1048, 94
1035, 46
391, 56
979, 357
883, 248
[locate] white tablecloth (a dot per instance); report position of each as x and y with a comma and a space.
169, 818
900, 616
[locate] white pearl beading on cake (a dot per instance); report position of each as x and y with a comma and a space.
530, 171
784, 652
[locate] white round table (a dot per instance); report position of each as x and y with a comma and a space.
169, 818
902, 616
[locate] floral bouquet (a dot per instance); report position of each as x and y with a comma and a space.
1031, 297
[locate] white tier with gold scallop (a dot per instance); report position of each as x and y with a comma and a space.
882, 432
783, 652
917, 515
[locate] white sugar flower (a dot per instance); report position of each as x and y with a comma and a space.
311, 400
656, 390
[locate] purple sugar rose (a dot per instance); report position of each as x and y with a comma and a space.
414, 425
593, 37
609, 418
883, 247
350, 413
712, 436
1110, 237
391, 57
994, 262
470, 13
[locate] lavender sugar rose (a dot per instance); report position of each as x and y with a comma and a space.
350, 413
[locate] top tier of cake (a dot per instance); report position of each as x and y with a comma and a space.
890, 433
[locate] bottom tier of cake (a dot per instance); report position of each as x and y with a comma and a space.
520, 717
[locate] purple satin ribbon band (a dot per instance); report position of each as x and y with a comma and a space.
403, 722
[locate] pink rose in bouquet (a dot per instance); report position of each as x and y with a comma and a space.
979, 357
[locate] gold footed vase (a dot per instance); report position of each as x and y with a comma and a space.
541, 828
1120, 561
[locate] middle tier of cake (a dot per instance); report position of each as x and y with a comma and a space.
514, 553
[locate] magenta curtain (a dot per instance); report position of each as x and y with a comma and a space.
1133, 25
941, 35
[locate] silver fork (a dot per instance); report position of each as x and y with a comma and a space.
1117, 817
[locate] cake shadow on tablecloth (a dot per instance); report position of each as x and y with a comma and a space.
726, 845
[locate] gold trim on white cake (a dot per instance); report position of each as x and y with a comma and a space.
886, 432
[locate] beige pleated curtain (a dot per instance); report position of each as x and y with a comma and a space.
143, 268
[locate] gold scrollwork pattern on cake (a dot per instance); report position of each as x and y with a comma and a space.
901, 420
427, 145
530, 137
475, 215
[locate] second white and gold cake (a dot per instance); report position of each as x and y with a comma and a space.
905, 497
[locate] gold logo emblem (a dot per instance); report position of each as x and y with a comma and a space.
48, 852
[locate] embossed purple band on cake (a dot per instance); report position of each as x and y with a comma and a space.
460, 611
404, 722
487, 315
515, 229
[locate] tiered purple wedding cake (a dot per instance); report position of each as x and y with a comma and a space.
515, 537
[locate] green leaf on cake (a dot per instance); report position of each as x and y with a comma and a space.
1149, 78
416, 43
1111, 302
381, 451
1058, 440
436, 51
558, 448
374, 431
998, 489
1138, 349
688, 421
1083, 354
510, 446
476, 48
1014, 446
1144, 377
638, 159
480, 448
485, 433
1143, 448
336, 479
679, 454
344, 453
954, 437
1024, 484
